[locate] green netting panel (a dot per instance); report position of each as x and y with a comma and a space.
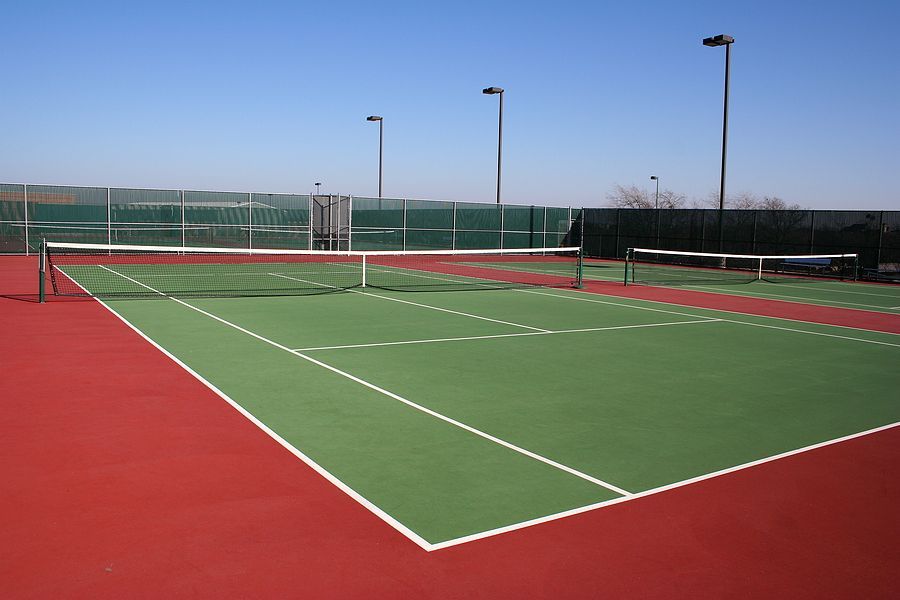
377, 238
557, 226
377, 212
710, 239
280, 221
889, 256
86, 233
429, 214
480, 217
523, 218
637, 229
216, 208
783, 231
555, 240
848, 231
217, 219
12, 218
285, 210
141, 216
66, 204
291, 238
429, 240
217, 236
678, 229
515, 239
475, 240
144, 206
12, 202
601, 232
739, 231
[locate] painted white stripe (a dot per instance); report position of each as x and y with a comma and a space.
656, 490
392, 395
504, 335
438, 308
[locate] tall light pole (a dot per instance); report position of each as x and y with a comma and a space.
491, 91
656, 179
380, 147
714, 41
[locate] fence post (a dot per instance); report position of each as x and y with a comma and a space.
453, 231
753, 243
502, 211
880, 241
657, 227
350, 222
812, 231
250, 220
618, 225
544, 233
27, 249
404, 224
310, 220
108, 219
183, 236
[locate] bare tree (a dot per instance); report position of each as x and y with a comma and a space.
742, 201
775, 203
670, 199
630, 197
748, 201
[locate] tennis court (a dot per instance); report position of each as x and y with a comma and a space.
463, 413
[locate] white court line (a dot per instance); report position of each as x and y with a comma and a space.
390, 394
672, 312
503, 335
446, 310
653, 491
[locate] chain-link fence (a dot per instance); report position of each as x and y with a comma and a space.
874, 235
30, 213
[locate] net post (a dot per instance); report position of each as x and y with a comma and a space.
759, 272
41, 269
627, 257
580, 281
363, 270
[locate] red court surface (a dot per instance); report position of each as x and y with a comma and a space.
125, 477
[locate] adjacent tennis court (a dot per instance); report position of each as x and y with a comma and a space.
493, 404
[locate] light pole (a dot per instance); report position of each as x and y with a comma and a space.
723, 40
380, 147
656, 179
491, 91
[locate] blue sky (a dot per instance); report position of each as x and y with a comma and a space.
272, 96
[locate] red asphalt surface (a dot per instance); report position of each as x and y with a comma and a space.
125, 477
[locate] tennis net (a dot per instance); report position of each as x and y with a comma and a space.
670, 267
119, 271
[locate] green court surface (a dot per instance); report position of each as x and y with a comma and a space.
458, 413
